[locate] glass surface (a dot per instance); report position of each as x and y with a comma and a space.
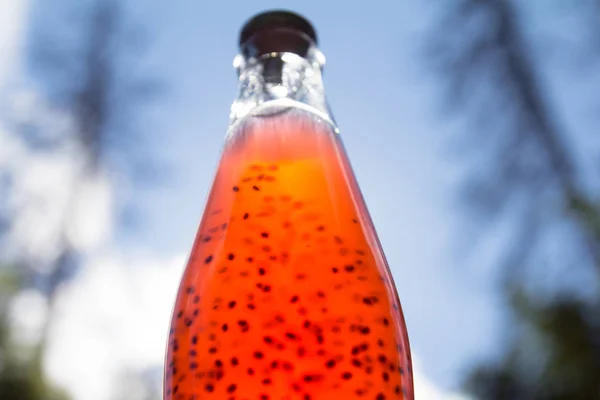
287, 293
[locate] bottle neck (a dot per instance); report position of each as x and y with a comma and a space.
279, 79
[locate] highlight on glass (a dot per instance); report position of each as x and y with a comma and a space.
287, 293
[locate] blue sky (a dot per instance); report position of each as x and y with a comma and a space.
385, 105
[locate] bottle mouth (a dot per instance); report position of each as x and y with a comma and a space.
277, 32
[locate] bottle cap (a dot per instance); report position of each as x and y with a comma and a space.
277, 31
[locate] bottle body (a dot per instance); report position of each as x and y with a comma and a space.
287, 293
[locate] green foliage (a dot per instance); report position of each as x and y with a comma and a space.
21, 373
559, 359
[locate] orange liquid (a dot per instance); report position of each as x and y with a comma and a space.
287, 294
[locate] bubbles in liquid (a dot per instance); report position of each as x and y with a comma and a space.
286, 294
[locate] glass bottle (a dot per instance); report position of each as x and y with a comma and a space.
287, 293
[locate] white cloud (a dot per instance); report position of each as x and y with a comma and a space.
113, 317
13, 15
427, 390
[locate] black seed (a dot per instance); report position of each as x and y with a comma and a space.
274, 364
330, 364
397, 389
320, 228
207, 239
365, 330
349, 268
294, 299
291, 336
193, 353
234, 361
380, 342
231, 388
179, 314
268, 339
230, 256
267, 288
264, 235
190, 290
368, 301
224, 327
346, 375
212, 350
243, 325
380, 396
261, 271
209, 387
356, 362
236, 189
232, 304
208, 259
250, 259
266, 381
320, 294
256, 188
287, 366
386, 322
264, 396
194, 339
219, 374
382, 358
246, 215
385, 376
196, 299
334, 270
258, 355
251, 306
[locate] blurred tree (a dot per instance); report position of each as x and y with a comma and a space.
20, 378
66, 132
535, 177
